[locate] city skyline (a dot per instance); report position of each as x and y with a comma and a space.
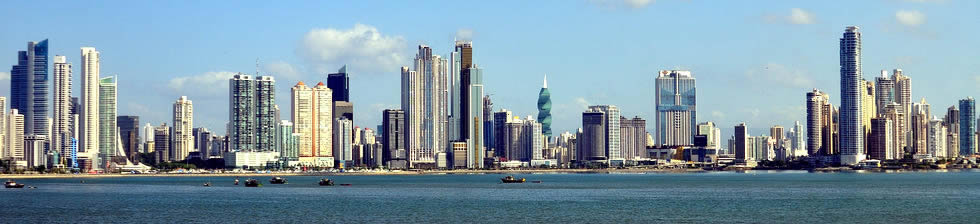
792, 72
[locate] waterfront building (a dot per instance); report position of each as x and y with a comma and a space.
61, 132
742, 153
869, 109
920, 128
89, 118
393, 136
592, 143
129, 135
968, 140
633, 137
611, 114
33, 152
500, 119
884, 90
882, 139
474, 117
15, 136
851, 131
412, 103
3, 127
820, 123
951, 121
893, 112
161, 143
937, 138
108, 133
903, 96
29, 87
544, 108
343, 137
676, 97
339, 83
313, 117
252, 118
183, 125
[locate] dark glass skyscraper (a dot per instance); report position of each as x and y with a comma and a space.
393, 138
129, 133
544, 109
968, 140
339, 83
29, 87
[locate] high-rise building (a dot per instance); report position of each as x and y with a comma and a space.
776, 132
15, 136
544, 108
412, 103
712, 133
288, 142
819, 122
488, 127
474, 117
937, 138
676, 100
633, 138
34, 150
89, 118
61, 132
161, 143
893, 112
313, 114
251, 112
393, 137
881, 141
851, 130
531, 141
3, 127
884, 90
920, 127
108, 133
903, 96
339, 83
799, 147
202, 142
500, 119
951, 121
183, 138
343, 137
29, 87
742, 153
611, 114
869, 108
129, 134
968, 140
462, 62
592, 144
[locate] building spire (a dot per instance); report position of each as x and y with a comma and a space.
545, 81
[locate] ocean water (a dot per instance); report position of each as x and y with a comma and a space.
712, 197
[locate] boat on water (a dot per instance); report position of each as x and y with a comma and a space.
12, 184
511, 179
236, 181
207, 184
277, 180
326, 182
252, 183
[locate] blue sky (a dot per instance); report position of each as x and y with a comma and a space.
754, 60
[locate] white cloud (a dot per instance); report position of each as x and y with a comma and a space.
464, 34
773, 74
281, 69
796, 16
363, 47
203, 82
614, 4
717, 115
910, 17
4, 76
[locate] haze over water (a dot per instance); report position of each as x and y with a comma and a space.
713, 197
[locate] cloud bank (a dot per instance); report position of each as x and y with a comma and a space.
363, 47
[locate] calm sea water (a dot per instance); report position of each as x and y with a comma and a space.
718, 197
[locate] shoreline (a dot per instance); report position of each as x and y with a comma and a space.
461, 172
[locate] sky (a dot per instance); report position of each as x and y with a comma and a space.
753, 60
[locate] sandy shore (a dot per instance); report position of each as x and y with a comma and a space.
431, 172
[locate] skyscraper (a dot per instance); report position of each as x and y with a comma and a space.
712, 133
936, 140
633, 138
474, 137
851, 130
61, 132
108, 133
313, 117
676, 100
89, 119
462, 62
968, 139
742, 155
129, 134
920, 127
881, 140
884, 90
393, 137
544, 108
951, 121
15, 136
593, 141
903, 96
340, 84
869, 108
817, 121
251, 113
3, 127
500, 119
343, 137
183, 138
29, 87
611, 115
893, 112
412, 104
161, 143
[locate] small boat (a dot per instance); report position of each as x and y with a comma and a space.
536, 181
12, 184
277, 180
511, 179
326, 182
236, 181
207, 184
344, 184
252, 183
